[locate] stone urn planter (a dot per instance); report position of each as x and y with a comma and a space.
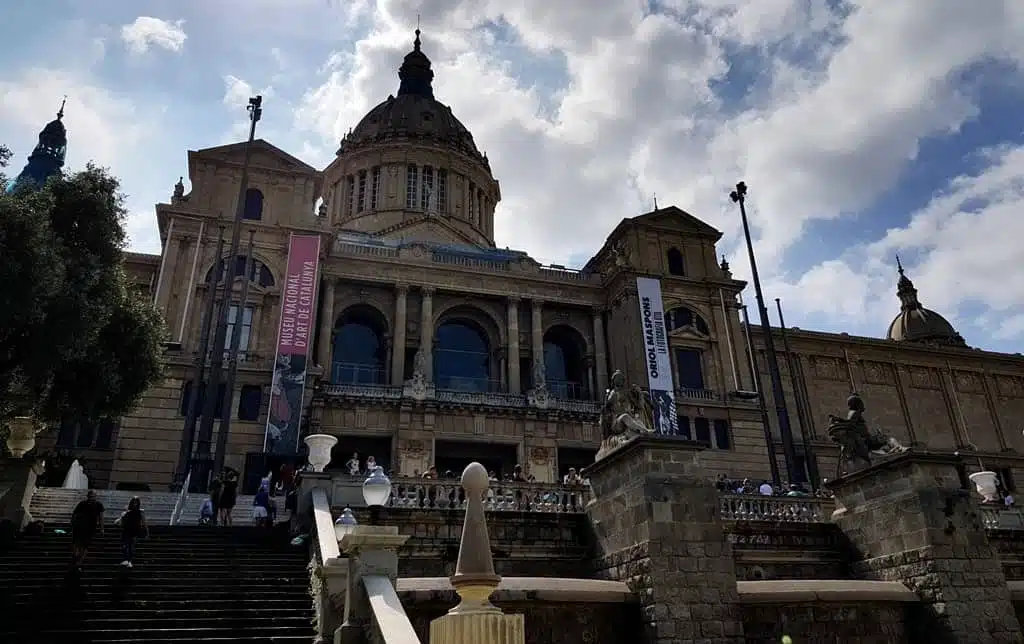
320, 450
22, 437
987, 485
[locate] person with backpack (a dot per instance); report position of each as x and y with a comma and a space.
133, 525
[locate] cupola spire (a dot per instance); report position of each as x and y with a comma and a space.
47, 158
415, 74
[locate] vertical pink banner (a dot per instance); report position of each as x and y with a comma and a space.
294, 338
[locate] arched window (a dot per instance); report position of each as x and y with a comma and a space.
259, 274
565, 364
253, 205
462, 357
359, 355
682, 316
675, 262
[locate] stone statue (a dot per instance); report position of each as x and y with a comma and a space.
179, 192
620, 254
540, 374
419, 364
858, 443
627, 413
417, 387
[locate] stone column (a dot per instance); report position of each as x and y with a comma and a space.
168, 267
600, 354
911, 519
513, 346
324, 348
658, 526
537, 337
398, 351
427, 329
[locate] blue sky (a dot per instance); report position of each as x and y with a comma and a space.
864, 129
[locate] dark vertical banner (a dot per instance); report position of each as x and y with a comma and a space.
294, 339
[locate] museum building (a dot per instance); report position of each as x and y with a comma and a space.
518, 355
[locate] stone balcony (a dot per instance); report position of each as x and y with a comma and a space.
458, 397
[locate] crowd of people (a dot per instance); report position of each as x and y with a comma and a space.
728, 485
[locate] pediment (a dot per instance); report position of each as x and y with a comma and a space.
688, 332
426, 229
678, 219
263, 155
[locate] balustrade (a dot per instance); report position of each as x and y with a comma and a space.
995, 517
429, 494
788, 509
695, 394
350, 373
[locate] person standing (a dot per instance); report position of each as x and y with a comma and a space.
216, 485
86, 521
133, 526
228, 496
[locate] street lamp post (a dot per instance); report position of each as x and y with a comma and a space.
217, 358
739, 195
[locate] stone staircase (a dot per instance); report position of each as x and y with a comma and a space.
53, 505
189, 584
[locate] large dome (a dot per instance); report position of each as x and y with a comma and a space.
414, 114
916, 324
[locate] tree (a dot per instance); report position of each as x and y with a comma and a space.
75, 341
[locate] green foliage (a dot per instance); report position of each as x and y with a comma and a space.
75, 340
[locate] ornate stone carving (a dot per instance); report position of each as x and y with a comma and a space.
827, 367
968, 381
627, 413
621, 254
417, 387
923, 378
539, 396
877, 373
858, 443
1010, 386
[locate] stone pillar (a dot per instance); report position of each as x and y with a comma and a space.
600, 355
910, 518
537, 337
168, 267
513, 346
324, 348
658, 526
475, 620
427, 329
398, 350
371, 550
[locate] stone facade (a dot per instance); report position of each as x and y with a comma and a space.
912, 519
404, 259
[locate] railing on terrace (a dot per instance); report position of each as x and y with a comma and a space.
469, 385
788, 509
502, 496
461, 396
695, 394
568, 390
350, 373
995, 517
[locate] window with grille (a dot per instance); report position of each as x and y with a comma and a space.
427, 203
362, 192
411, 180
442, 191
350, 191
472, 204
244, 326
375, 189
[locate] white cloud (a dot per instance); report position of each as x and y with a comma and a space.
148, 32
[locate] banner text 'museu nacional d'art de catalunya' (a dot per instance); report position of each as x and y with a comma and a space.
294, 339
656, 357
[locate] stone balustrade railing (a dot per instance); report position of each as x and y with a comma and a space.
460, 397
502, 496
995, 517
788, 509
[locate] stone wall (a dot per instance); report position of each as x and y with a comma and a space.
825, 623
524, 544
766, 550
546, 622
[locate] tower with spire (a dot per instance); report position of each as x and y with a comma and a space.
47, 159
915, 323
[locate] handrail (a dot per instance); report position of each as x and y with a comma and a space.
323, 525
179, 505
389, 617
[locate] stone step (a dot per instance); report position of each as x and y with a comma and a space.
55, 505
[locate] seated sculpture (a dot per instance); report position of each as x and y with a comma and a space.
858, 443
626, 414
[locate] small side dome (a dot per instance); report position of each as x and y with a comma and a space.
915, 323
